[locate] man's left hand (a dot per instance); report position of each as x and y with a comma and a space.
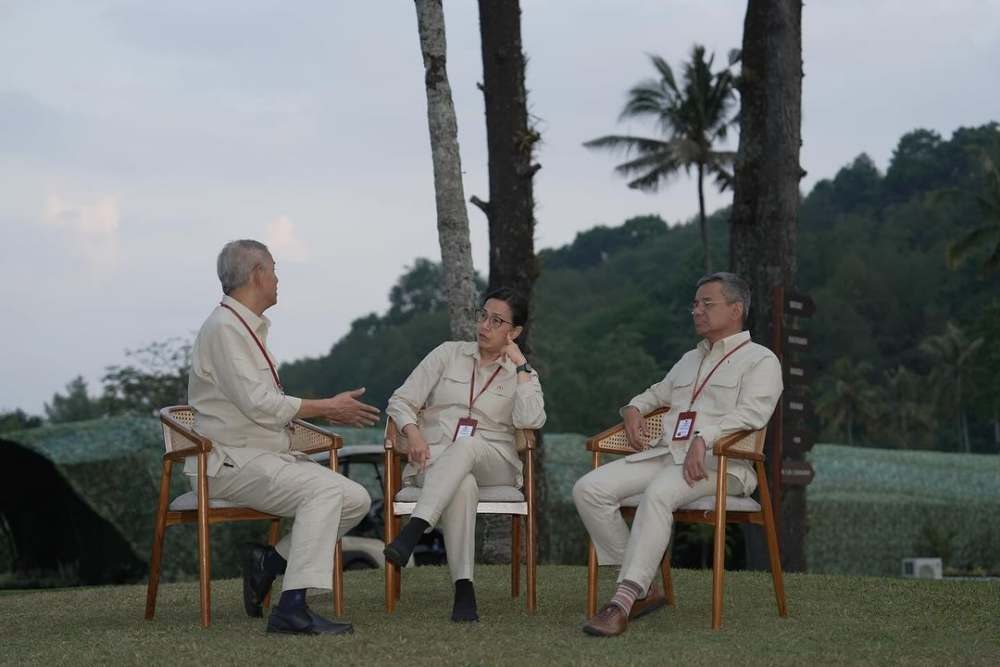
694, 462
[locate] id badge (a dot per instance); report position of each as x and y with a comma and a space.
466, 428
685, 425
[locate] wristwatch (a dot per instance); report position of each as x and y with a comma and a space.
525, 368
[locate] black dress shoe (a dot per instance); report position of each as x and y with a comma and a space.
256, 580
304, 621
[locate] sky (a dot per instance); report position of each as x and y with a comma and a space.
136, 138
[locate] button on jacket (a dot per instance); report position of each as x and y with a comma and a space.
436, 395
741, 394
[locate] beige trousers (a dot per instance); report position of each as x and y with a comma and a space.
451, 492
325, 505
598, 496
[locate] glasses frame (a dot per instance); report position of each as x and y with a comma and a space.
483, 315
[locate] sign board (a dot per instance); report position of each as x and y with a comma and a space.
799, 305
797, 473
794, 372
797, 407
796, 339
797, 441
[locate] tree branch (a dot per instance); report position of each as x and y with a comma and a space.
483, 206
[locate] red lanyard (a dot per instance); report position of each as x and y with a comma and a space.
694, 396
274, 373
472, 385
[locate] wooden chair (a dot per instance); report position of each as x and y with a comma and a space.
717, 511
492, 500
182, 442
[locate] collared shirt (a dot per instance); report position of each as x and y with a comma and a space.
740, 395
236, 401
436, 395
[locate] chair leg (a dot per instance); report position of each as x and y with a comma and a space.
773, 551
668, 583
515, 555
531, 564
338, 580
591, 579
719, 557
272, 539
159, 531
398, 589
390, 570
204, 562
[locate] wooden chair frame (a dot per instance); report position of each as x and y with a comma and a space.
395, 455
177, 424
745, 445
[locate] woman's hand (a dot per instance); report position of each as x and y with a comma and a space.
513, 352
419, 452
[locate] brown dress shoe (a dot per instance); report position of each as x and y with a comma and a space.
610, 621
647, 605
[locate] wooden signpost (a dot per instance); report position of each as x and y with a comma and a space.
790, 434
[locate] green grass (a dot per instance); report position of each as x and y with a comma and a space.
833, 620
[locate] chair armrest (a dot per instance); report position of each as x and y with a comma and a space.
200, 444
748, 445
310, 439
614, 440
525, 439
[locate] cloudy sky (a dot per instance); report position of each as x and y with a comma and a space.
138, 137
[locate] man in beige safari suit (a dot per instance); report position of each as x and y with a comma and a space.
240, 405
726, 384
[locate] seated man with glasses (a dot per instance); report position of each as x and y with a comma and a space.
726, 384
470, 397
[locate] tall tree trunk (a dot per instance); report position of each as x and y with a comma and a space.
701, 219
510, 211
766, 197
452, 218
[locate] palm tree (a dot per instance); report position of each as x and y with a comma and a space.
987, 234
911, 416
691, 118
848, 398
953, 353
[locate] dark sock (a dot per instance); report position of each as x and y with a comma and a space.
464, 609
292, 600
399, 550
274, 563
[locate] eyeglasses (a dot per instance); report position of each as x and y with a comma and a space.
707, 304
495, 321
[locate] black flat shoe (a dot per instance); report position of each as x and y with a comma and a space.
256, 580
395, 554
304, 621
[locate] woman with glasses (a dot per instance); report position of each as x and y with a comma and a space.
458, 410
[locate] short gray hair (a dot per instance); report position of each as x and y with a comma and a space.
734, 288
237, 261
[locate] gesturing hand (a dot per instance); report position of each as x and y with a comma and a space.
694, 462
345, 409
635, 429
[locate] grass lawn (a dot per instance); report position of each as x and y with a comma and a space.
833, 620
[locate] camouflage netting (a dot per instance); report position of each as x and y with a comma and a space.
93, 487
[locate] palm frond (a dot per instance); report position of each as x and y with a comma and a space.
962, 248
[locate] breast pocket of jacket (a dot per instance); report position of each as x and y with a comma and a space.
453, 388
723, 390
498, 401
680, 393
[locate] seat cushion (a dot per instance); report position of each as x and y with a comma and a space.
487, 494
706, 504
189, 502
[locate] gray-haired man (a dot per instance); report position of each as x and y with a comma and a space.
726, 384
240, 405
